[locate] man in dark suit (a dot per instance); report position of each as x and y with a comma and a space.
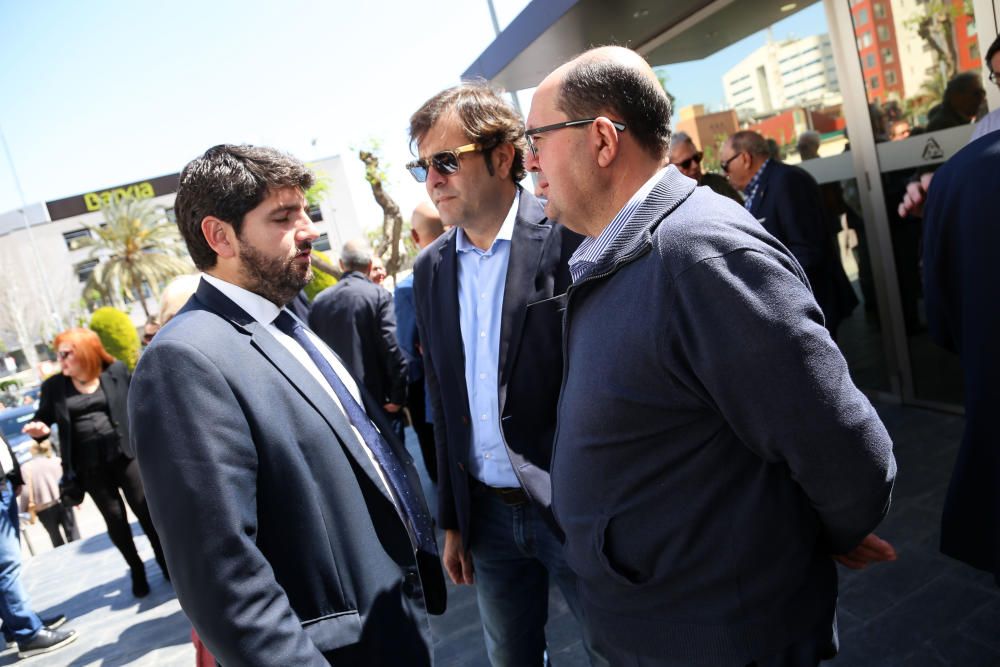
356, 319
712, 452
490, 330
295, 531
788, 202
962, 292
425, 227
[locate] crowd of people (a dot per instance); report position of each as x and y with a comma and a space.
690, 492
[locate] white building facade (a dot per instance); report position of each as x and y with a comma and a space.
778, 75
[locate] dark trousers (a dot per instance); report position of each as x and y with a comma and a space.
58, 516
103, 484
417, 405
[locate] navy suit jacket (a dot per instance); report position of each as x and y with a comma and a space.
962, 292
283, 544
530, 357
791, 206
356, 319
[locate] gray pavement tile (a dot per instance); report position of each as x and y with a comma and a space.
983, 626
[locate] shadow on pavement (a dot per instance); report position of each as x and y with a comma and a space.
148, 634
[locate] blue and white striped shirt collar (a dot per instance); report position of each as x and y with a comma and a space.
592, 249
750, 191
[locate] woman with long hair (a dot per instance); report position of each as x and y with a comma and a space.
88, 401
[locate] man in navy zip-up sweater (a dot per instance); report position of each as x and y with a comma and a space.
711, 453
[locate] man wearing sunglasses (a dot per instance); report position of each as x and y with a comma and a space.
489, 320
687, 158
712, 451
789, 204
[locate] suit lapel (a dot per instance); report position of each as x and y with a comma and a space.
758, 201
296, 374
445, 309
527, 243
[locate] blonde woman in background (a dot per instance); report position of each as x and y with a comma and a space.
40, 494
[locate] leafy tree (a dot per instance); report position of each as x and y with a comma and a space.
324, 274
141, 249
320, 188
118, 336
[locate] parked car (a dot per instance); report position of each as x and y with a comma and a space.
12, 420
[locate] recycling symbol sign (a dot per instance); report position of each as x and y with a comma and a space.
932, 150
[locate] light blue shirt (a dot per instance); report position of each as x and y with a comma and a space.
481, 278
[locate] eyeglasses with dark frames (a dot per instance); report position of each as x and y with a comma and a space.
686, 164
445, 162
64, 354
620, 126
725, 163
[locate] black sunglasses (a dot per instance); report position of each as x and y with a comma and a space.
696, 158
445, 162
725, 163
620, 126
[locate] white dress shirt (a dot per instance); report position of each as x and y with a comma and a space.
265, 312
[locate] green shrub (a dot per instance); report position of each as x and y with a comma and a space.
320, 280
117, 334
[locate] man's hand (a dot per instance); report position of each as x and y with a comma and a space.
916, 194
392, 408
873, 549
457, 562
36, 429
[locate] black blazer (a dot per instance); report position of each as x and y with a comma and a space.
356, 319
52, 409
283, 544
790, 204
530, 360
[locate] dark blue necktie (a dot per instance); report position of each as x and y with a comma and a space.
414, 511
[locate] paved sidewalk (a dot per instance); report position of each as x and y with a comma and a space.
925, 610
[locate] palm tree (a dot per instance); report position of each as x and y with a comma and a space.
139, 247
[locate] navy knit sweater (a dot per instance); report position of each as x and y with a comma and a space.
712, 450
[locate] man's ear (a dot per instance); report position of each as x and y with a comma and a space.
606, 141
220, 236
503, 160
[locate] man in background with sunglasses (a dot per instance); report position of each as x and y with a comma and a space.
489, 321
687, 158
712, 451
789, 204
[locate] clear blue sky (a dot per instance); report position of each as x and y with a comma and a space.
103, 93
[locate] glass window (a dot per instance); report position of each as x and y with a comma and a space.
890, 78
77, 238
870, 60
878, 9
887, 56
883, 33
84, 269
873, 83
862, 17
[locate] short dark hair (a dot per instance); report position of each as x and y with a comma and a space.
228, 182
751, 142
963, 82
487, 119
992, 51
594, 87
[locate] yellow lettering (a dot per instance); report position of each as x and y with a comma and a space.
145, 190
93, 201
